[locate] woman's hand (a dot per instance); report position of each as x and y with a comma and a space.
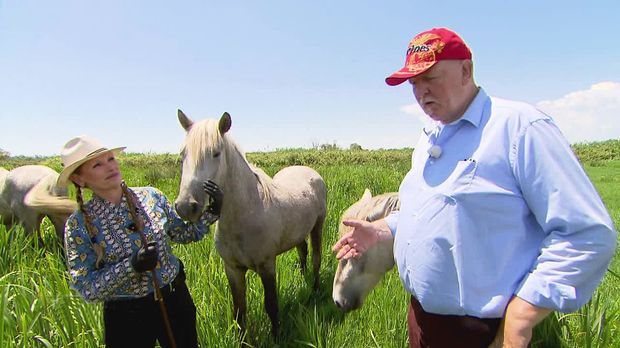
216, 197
145, 259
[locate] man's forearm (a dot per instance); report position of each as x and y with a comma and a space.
521, 317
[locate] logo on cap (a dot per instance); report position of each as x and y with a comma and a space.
426, 49
421, 51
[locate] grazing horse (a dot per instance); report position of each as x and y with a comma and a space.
28, 194
261, 217
356, 277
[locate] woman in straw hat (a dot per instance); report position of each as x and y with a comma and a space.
118, 251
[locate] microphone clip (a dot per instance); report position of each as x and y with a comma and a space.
435, 151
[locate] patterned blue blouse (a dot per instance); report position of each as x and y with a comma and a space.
116, 279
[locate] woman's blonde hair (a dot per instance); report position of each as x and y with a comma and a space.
134, 211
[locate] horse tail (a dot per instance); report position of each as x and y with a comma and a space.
316, 237
46, 198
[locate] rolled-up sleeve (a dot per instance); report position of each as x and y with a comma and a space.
392, 221
580, 239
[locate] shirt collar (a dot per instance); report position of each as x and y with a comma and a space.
98, 201
473, 114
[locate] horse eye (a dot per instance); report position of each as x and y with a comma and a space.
217, 154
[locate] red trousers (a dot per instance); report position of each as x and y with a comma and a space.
427, 330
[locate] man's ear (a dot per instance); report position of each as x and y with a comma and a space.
468, 71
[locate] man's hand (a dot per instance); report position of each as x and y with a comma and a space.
363, 236
521, 317
216, 197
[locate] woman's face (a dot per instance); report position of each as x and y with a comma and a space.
99, 174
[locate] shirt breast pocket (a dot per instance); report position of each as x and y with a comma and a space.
462, 176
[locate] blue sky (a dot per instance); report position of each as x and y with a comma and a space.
290, 73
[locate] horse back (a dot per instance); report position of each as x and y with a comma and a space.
33, 187
301, 185
297, 202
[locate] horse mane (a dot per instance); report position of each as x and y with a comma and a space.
374, 209
46, 197
388, 202
204, 138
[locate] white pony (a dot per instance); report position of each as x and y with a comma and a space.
356, 277
261, 217
29, 193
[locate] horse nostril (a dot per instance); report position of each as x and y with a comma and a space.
338, 304
194, 208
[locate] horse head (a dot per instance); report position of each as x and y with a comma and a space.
356, 277
203, 158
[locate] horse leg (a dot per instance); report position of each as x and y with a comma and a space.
315, 238
59, 226
302, 251
32, 225
267, 273
7, 221
236, 281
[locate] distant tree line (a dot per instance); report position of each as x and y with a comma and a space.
4, 154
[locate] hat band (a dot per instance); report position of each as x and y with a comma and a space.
103, 149
99, 150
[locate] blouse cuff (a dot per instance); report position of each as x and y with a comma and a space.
208, 218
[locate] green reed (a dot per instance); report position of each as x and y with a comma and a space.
39, 309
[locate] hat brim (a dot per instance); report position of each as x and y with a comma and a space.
63, 177
408, 72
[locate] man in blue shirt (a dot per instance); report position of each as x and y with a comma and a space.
498, 220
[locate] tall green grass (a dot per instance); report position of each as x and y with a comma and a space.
39, 310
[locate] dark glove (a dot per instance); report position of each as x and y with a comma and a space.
145, 259
216, 197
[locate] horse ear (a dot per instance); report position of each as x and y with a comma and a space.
366, 196
225, 123
184, 120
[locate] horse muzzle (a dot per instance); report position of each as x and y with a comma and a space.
188, 210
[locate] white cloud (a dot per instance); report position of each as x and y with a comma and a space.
587, 115
583, 116
415, 110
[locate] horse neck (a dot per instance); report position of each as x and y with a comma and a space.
242, 188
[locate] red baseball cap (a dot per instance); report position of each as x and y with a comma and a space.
426, 49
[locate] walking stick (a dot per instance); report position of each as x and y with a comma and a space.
160, 299
156, 283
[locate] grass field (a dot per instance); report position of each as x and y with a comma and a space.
39, 310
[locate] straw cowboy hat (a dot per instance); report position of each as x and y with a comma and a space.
77, 151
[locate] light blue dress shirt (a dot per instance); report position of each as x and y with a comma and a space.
506, 209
